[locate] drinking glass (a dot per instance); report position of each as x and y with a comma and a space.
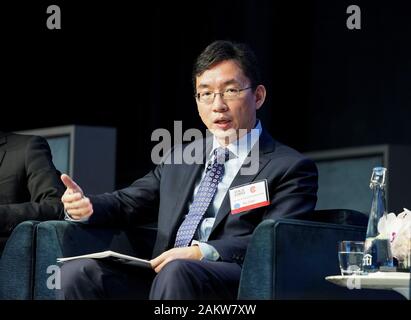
350, 256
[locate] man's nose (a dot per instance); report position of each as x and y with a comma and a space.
219, 104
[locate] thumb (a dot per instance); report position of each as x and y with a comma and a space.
69, 183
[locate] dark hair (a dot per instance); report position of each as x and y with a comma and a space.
221, 50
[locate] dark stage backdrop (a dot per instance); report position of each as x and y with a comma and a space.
128, 65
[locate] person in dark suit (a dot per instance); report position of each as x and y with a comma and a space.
204, 224
30, 185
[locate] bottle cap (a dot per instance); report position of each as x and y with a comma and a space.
378, 177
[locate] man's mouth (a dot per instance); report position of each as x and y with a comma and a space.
223, 123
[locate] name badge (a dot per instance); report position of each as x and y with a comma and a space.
249, 196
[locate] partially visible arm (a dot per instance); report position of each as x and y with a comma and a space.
294, 194
133, 205
136, 204
43, 184
296, 191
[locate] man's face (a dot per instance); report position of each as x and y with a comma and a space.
225, 117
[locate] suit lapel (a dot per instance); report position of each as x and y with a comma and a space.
266, 146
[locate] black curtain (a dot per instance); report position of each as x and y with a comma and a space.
128, 65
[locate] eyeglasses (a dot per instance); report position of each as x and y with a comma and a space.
207, 97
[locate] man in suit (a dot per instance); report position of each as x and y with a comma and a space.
202, 239
30, 186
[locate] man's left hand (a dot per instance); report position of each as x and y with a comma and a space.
192, 252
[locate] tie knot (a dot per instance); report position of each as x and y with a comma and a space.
221, 155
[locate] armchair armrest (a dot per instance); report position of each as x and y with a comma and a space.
16, 263
57, 239
289, 259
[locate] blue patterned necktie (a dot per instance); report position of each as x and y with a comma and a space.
202, 199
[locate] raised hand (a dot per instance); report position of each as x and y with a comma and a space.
75, 203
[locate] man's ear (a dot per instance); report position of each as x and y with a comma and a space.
260, 94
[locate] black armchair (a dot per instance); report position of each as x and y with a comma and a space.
290, 258
25, 271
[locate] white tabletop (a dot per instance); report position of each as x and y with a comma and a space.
397, 281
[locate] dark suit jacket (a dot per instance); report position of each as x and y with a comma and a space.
163, 194
30, 186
